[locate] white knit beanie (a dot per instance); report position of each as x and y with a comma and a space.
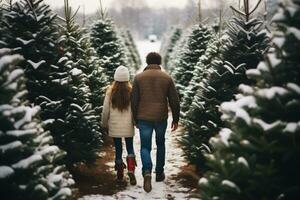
121, 74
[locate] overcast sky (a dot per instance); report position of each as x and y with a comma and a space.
92, 5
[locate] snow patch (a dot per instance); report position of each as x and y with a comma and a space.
36, 65
231, 185
225, 135
24, 42
14, 75
10, 146
265, 126
294, 87
243, 114
5, 51
25, 163
243, 161
279, 41
203, 181
5, 172
246, 89
271, 93
292, 127
76, 72
20, 133
294, 31
9, 59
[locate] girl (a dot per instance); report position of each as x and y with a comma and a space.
117, 118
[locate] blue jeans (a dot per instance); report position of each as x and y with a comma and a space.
119, 148
146, 129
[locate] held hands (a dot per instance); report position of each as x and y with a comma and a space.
174, 126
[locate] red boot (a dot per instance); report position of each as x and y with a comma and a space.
131, 163
120, 170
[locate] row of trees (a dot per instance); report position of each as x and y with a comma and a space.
53, 76
241, 104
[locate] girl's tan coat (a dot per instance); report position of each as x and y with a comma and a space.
119, 124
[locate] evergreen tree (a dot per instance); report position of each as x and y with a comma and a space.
97, 79
108, 46
50, 82
201, 72
133, 59
259, 157
29, 163
243, 49
171, 43
1, 25
35, 42
81, 126
178, 52
76, 41
195, 47
47, 84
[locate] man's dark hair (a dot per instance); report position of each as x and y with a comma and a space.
153, 58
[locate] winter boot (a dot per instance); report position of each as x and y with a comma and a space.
160, 177
131, 163
119, 167
147, 181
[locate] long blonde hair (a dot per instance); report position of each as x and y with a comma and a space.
120, 95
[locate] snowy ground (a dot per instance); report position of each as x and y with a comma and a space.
169, 189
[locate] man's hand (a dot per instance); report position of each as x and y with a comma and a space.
174, 126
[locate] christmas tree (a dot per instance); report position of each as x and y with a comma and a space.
35, 43
81, 126
50, 82
29, 162
178, 51
262, 148
194, 49
170, 45
243, 49
1, 25
201, 73
107, 44
133, 61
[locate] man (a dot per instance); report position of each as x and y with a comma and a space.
152, 90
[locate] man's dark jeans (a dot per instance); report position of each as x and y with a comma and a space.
146, 129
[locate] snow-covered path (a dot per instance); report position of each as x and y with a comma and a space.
170, 188
144, 47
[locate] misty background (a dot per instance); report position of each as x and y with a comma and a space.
145, 17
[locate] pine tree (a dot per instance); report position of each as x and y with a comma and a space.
133, 60
81, 125
108, 46
97, 79
1, 25
171, 43
259, 157
178, 52
243, 49
194, 49
201, 72
50, 82
36, 43
29, 163
47, 84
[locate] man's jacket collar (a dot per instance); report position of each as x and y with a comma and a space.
152, 66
